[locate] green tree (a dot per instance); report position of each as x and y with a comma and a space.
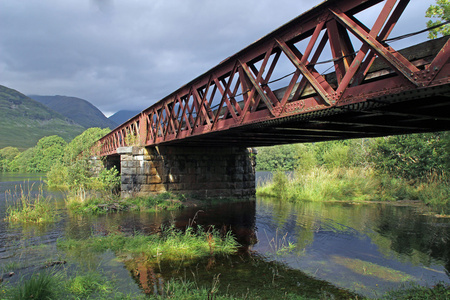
25, 162
48, 151
82, 144
283, 157
441, 12
413, 157
7, 155
75, 170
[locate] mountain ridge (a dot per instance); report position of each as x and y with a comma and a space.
23, 121
80, 110
122, 116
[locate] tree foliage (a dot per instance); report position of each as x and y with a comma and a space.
439, 13
41, 157
413, 157
83, 143
75, 170
282, 157
67, 165
332, 154
7, 155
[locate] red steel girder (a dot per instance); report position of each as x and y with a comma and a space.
240, 90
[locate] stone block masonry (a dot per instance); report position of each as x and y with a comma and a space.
203, 172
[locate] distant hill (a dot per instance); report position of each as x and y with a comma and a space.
23, 121
123, 115
79, 110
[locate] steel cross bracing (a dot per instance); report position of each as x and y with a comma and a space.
237, 102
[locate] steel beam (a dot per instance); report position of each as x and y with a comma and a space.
236, 95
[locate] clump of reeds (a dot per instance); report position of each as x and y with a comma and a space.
27, 207
170, 244
102, 205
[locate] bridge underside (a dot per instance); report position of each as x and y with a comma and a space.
370, 90
395, 114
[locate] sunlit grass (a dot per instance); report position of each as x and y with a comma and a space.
29, 208
171, 244
322, 184
354, 184
59, 285
88, 283
94, 285
150, 203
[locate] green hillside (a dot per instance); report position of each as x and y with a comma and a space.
79, 110
24, 121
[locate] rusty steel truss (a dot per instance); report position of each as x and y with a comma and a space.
370, 90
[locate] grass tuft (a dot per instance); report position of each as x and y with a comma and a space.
151, 203
39, 286
87, 284
28, 208
170, 244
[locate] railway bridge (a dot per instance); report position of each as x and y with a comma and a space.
325, 75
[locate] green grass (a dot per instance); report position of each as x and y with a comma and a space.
87, 284
354, 184
28, 208
94, 285
39, 286
59, 285
170, 244
151, 203
440, 291
322, 184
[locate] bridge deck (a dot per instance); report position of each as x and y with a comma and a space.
425, 110
373, 90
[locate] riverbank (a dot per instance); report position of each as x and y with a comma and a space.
299, 250
355, 184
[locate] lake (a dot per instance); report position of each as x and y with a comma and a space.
329, 247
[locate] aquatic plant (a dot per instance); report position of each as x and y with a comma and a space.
281, 245
179, 289
371, 269
102, 205
170, 244
29, 208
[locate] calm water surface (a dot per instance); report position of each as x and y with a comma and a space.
366, 248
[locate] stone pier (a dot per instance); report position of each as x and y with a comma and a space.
203, 172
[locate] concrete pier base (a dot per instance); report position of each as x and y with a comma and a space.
203, 172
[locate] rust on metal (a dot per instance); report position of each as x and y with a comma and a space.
371, 89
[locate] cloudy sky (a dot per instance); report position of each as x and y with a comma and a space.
121, 54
